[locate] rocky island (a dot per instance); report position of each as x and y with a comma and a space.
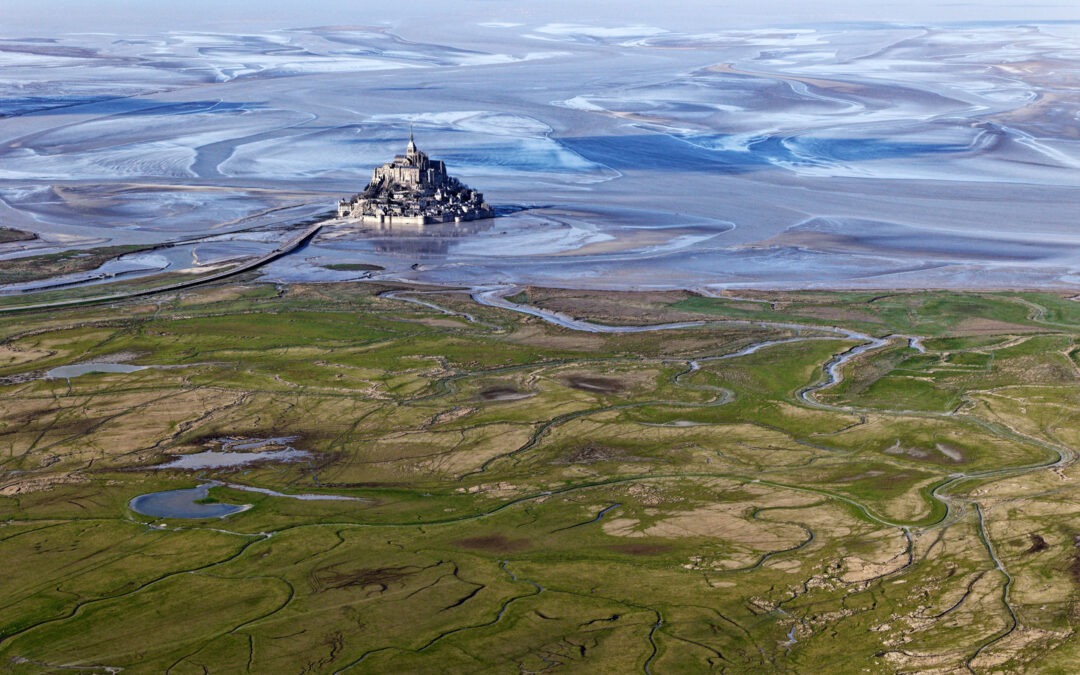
414, 190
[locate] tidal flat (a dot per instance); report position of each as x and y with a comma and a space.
775, 481
855, 155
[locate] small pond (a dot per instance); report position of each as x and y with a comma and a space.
183, 504
215, 459
68, 372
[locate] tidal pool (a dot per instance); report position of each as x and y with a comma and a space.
214, 459
68, 372
183, 503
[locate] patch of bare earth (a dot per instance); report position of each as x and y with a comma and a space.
542, 335
725, 522
1024, 641
447, 416
14, 356
891, 556
22, 486
502, 489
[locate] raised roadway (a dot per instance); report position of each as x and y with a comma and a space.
281, 251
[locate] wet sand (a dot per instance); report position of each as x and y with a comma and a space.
871, 156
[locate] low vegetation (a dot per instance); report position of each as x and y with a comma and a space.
46, 266
531, 498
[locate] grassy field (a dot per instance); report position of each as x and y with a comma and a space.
530, 498
45, 266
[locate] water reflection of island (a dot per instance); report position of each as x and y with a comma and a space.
427, 240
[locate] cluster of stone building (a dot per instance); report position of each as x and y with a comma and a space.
414, 190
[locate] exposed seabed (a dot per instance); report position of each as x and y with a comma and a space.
856, 156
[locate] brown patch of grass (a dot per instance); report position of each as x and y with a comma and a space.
496, 543
207, 296
501, 394
979, 326
1074, 561
640, 549
615, 307
591, 452
16, 356
838, 314
1038, 544
332, 578
594, 384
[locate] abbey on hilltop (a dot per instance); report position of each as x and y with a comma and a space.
414, 190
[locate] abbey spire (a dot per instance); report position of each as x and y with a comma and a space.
411, 149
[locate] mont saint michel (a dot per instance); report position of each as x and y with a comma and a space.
414, 190
769, 362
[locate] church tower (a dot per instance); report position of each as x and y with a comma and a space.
411, 150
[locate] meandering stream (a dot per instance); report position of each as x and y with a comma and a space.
833, 370
497, 297
833, 374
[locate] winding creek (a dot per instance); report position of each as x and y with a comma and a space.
497, 297
183, 503
954, 507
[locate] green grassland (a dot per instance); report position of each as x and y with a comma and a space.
33, 268
530, 498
